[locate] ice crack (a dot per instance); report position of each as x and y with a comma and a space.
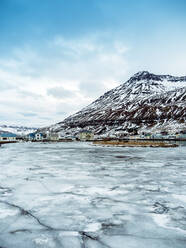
26, 212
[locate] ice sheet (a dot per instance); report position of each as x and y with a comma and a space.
78, 195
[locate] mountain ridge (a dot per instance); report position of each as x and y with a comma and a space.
18, 130
143, 102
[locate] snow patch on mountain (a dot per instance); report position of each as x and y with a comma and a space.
19, 130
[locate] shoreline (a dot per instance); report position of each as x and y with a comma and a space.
8, 142
135, 143
112, 142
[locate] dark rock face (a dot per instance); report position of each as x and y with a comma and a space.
146, 100
145, 75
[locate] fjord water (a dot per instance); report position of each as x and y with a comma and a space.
79, 195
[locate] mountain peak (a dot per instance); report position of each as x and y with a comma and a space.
142, 75
147, 76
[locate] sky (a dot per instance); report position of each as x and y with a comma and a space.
57, 56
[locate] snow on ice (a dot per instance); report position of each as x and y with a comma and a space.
76, 195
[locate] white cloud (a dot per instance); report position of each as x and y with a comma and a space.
64, 76
60, 92
92, 87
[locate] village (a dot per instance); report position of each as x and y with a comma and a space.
87, 135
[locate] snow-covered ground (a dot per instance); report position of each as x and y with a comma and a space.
76, 195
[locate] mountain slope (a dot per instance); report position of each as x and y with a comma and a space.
145, 101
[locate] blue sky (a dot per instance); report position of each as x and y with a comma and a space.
56, 56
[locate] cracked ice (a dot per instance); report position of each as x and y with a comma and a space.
76, 195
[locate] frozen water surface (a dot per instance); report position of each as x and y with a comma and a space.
78, 195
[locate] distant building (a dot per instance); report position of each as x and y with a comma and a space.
39, 136
164, 133
183, 132
134, 137
53, 136
182, 136
85, 135
172, 137
146, 135
35, 136
8, 137
67, 137
30, 136
157, 136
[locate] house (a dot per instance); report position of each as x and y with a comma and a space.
8, 137
30, 136
67, 138
182, 135
164, 133
172, 136
145, 135
134, 137
35, 136
157, 136
39, 136
53, 136
85, 135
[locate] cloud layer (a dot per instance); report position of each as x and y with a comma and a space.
55, 58
52, 83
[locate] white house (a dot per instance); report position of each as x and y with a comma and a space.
53, 136
85, 135
39, 136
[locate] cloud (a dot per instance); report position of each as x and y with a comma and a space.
60, 92
61, 113
91, 58
61, 77
28, 114
5, 86
26, 94
91, 88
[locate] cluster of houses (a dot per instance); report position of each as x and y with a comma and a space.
161, 136
86, 135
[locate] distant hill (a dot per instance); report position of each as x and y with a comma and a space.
146, 102
19, 130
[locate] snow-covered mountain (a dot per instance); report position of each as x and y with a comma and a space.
19, 130
146, 102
